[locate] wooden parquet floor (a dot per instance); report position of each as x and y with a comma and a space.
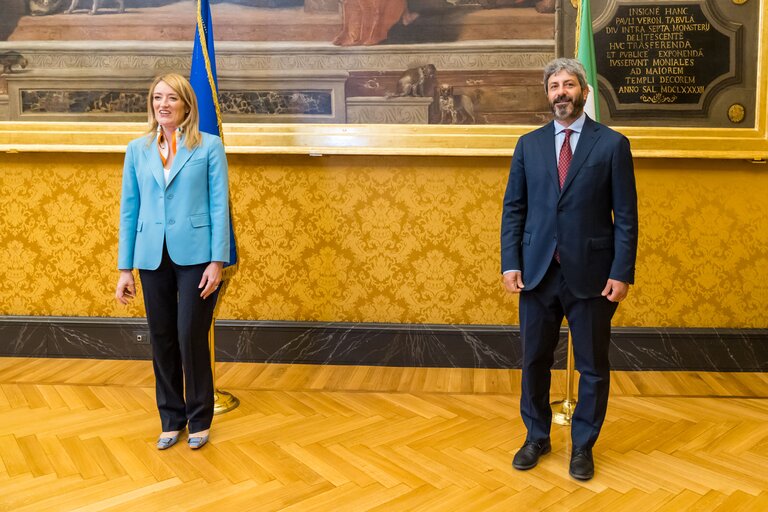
78, 435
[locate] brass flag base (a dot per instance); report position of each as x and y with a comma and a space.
224, 402
562, 412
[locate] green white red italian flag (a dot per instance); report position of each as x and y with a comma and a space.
585, 52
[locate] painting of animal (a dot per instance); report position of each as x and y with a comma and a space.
10, 59
455, 108
414, 80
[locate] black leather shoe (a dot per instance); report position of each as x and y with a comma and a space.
528, 456
582, 464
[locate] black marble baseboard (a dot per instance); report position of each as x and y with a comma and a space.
417, 345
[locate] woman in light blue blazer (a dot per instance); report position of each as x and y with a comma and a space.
174, 228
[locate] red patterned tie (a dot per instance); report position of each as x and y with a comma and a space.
565, 158
562, 168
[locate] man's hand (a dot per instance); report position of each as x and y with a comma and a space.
513, 281
615, 291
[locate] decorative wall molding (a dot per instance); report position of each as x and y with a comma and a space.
277, 55
453, 346
388, 110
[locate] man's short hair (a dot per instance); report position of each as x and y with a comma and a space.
570, 66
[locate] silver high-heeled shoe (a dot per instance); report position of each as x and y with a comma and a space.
163, 443
197, 442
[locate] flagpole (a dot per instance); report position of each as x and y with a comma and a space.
577, 33
203, 80
562, 410
223, 401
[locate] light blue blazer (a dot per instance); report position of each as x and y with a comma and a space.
190, 213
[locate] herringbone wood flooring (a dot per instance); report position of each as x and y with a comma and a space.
79, 435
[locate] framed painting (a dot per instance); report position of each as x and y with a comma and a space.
442, 77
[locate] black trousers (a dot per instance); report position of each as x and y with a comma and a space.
179, 321
541, 315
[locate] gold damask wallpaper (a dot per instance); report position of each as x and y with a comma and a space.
384, 239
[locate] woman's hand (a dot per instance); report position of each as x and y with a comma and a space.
211, 278
126, 287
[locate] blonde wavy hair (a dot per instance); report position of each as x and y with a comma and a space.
189, 127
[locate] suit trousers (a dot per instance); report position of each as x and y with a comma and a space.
179, 320
541, 315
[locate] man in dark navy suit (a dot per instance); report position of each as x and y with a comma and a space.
568, 246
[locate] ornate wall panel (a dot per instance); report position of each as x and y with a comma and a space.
703, 253
384, 239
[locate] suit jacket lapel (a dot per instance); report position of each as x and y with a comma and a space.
587, 139
547, 149
182, 155
152, 154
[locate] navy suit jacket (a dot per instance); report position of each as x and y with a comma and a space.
592, 221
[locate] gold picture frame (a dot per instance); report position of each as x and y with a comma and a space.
424, 139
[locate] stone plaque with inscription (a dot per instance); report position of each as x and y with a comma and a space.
687, 61
665, 55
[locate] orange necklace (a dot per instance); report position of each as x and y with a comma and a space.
161, 146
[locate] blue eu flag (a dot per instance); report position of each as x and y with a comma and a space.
204, 82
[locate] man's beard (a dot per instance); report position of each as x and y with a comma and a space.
561, 112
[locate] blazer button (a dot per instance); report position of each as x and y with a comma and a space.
171, 222
170, 196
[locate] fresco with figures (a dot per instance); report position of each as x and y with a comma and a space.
321, 61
